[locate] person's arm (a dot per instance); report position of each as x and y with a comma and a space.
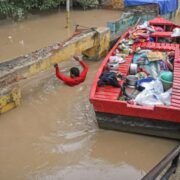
84, 65
85, 69
60, 75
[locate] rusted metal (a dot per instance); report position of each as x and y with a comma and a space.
173, 158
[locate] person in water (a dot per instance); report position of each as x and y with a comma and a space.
76, 77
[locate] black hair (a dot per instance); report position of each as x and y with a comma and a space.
75, 71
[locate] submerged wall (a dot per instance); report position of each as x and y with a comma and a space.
93, 43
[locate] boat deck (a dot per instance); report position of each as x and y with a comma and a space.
115, 113
110, 93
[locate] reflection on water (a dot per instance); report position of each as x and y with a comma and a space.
54, 135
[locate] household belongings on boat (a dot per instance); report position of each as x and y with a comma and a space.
154, 32
150, 76
176, 32
136, 88
146, 64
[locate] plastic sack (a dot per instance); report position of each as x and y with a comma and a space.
156, 86
148, 97
141, 83
144, 25
166, 97
176, 32
151, 95
116, 59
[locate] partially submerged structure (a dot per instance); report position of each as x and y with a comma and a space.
93, 43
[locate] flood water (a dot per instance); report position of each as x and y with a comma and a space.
53, 134
40, 31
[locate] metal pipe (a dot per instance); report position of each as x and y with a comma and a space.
172, 169
169, 172
172, 156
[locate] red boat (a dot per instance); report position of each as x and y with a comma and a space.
114, 109
168, 27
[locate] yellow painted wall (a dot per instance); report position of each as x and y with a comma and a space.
93, 44
118, 4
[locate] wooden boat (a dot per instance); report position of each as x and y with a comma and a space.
116, 114
168, 27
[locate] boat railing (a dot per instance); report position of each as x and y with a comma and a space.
171, 160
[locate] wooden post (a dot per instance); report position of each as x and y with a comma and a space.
67, 13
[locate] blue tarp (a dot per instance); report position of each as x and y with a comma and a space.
166, 6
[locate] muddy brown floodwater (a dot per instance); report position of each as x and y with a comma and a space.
53, 135
40, 31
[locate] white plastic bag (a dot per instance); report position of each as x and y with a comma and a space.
148, 97
155, 85
115, 59
166, 97
144, 25
176, 32
151, 95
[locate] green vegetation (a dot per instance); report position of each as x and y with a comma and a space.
17, 9
88, 3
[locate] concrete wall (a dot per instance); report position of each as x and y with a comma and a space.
94, 43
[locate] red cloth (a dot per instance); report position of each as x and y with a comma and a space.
73, 81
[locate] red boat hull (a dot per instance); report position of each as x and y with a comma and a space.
114, 114
138, 125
